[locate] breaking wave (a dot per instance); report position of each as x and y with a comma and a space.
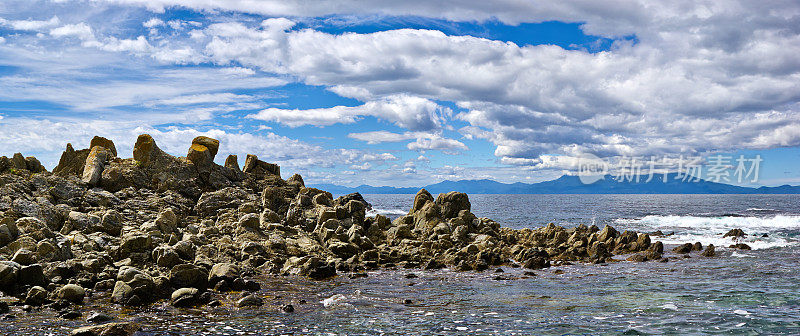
762, 232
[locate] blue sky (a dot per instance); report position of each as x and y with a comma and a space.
410, 93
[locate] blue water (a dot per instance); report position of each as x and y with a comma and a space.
736, 293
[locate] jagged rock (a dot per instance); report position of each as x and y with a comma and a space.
607, 234
311, 267
232, 162
98, 318
343, 200
343, 250
111, 223
166, 256
422, 198
145, 150
33, 165
296, 180
250, 221
5, 164
268, 216
105, 143
34, 227
697, 246
452, 203
71, 162
18, 162
258, 168
95, 163
134, 243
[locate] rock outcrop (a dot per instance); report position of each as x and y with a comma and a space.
158, 227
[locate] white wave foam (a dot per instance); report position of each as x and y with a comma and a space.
709, 230
387, 212
336, 300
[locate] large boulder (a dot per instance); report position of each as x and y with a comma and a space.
111, 223
259, 169
200, 155
184, 297
422, 198
188, 275
232, 163
167, 221
36, 296
105, 143
311, 267
211, 144
452, 203
18, 162
343, 200
71, 293
296, 180
223, 271
145, 151
133, 287
9, 271
31, 275
95, 162
33, 165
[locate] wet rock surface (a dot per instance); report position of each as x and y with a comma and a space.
158, 228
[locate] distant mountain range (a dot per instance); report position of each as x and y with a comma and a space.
571, 185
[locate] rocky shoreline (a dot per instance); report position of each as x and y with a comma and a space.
185, 230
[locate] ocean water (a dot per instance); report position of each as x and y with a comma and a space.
692, 218
736, 293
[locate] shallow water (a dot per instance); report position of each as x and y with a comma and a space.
738, 292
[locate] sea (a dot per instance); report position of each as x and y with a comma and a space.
755, 292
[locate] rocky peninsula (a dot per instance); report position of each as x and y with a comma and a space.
185, 230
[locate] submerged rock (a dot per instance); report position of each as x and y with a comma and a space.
735, 233
740, 246
683, 248
250, 301
709, 251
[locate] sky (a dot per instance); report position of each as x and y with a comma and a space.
408, 93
